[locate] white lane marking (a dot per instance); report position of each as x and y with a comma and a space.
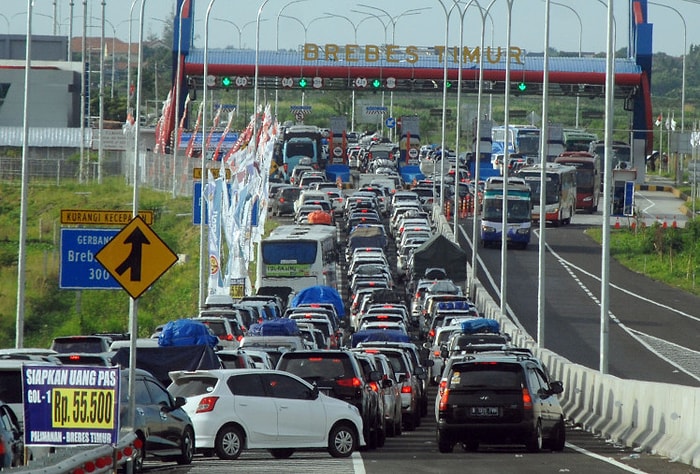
608, 460
357, 463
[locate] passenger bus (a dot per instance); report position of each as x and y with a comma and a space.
522, 139
299, 256
621, 159
299, 144
587, 178
576, 139
519, 217
560, 191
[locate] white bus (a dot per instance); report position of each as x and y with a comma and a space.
560, 191
299, 256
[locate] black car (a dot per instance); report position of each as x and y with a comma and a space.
164, 428
11, 438
339, 374
500, 398
283, 200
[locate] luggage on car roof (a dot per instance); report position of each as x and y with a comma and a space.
475, 325
388, 335
275, 327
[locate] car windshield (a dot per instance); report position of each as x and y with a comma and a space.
11, 386
317, 367
193, 386
487, 375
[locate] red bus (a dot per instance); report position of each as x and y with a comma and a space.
587, 178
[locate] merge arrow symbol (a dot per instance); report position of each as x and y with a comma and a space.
133, 261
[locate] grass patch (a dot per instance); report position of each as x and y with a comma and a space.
50, 311
668, 255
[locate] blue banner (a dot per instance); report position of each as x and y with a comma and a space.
66, 405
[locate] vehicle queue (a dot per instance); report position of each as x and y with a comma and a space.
341, 344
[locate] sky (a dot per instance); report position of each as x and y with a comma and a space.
415, 22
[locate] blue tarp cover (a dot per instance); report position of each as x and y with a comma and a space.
389, 335
475, 325
320, 294
185, 332
275, 327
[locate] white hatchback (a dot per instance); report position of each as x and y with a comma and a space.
237, 409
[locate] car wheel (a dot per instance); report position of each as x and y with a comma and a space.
229, 443
409, 422
381, 435
534, 443
445, 443
281, 453
558, 438
342, 441
390, 428
186, 447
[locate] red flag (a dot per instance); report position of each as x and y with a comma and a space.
190, 144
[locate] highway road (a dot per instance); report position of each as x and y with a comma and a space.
654, 329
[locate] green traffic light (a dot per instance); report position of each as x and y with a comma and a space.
226, 81
303, 82
376, 83
522, 86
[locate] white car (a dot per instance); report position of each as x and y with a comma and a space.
237, 409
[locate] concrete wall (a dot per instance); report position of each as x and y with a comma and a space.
663, 419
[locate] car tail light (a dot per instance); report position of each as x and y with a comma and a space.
207, 404
406, 389
226, 337
374, 386
431, 333
442, 387
443, 400
527, 399
239, 338
353, 382
2, 446
436, 353
281, 199
286, 167
74, 357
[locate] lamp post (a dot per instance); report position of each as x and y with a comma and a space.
83, 99
685, 46
114, 34
178, 89
544, 140
462, 14
100, 147
240, 30
279, 14
580, 35
385, 27
393, 19
307, 26
484, 12
128, 61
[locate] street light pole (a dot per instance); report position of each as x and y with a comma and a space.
580, 35
477, 152
128, 61
100, 149
279, 14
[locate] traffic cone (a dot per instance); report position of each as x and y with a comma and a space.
633, 225
617, 223
674, 224
664, 225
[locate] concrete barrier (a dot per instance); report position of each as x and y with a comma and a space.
658, 418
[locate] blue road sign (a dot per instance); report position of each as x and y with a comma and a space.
197, 205
390, 122
79, 270
628, 209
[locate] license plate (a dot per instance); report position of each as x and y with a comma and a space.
484, 411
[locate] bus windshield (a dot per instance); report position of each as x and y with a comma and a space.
551, 191
290, 252
528, 142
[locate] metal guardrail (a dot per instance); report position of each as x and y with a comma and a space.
95, 460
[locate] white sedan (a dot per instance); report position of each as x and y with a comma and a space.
236, 409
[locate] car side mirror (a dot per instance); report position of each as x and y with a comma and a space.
180, 402
387, 383
402, 378
444, 353
375, 376
556, 387
313, 394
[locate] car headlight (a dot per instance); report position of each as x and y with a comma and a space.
524, 231
488, 229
